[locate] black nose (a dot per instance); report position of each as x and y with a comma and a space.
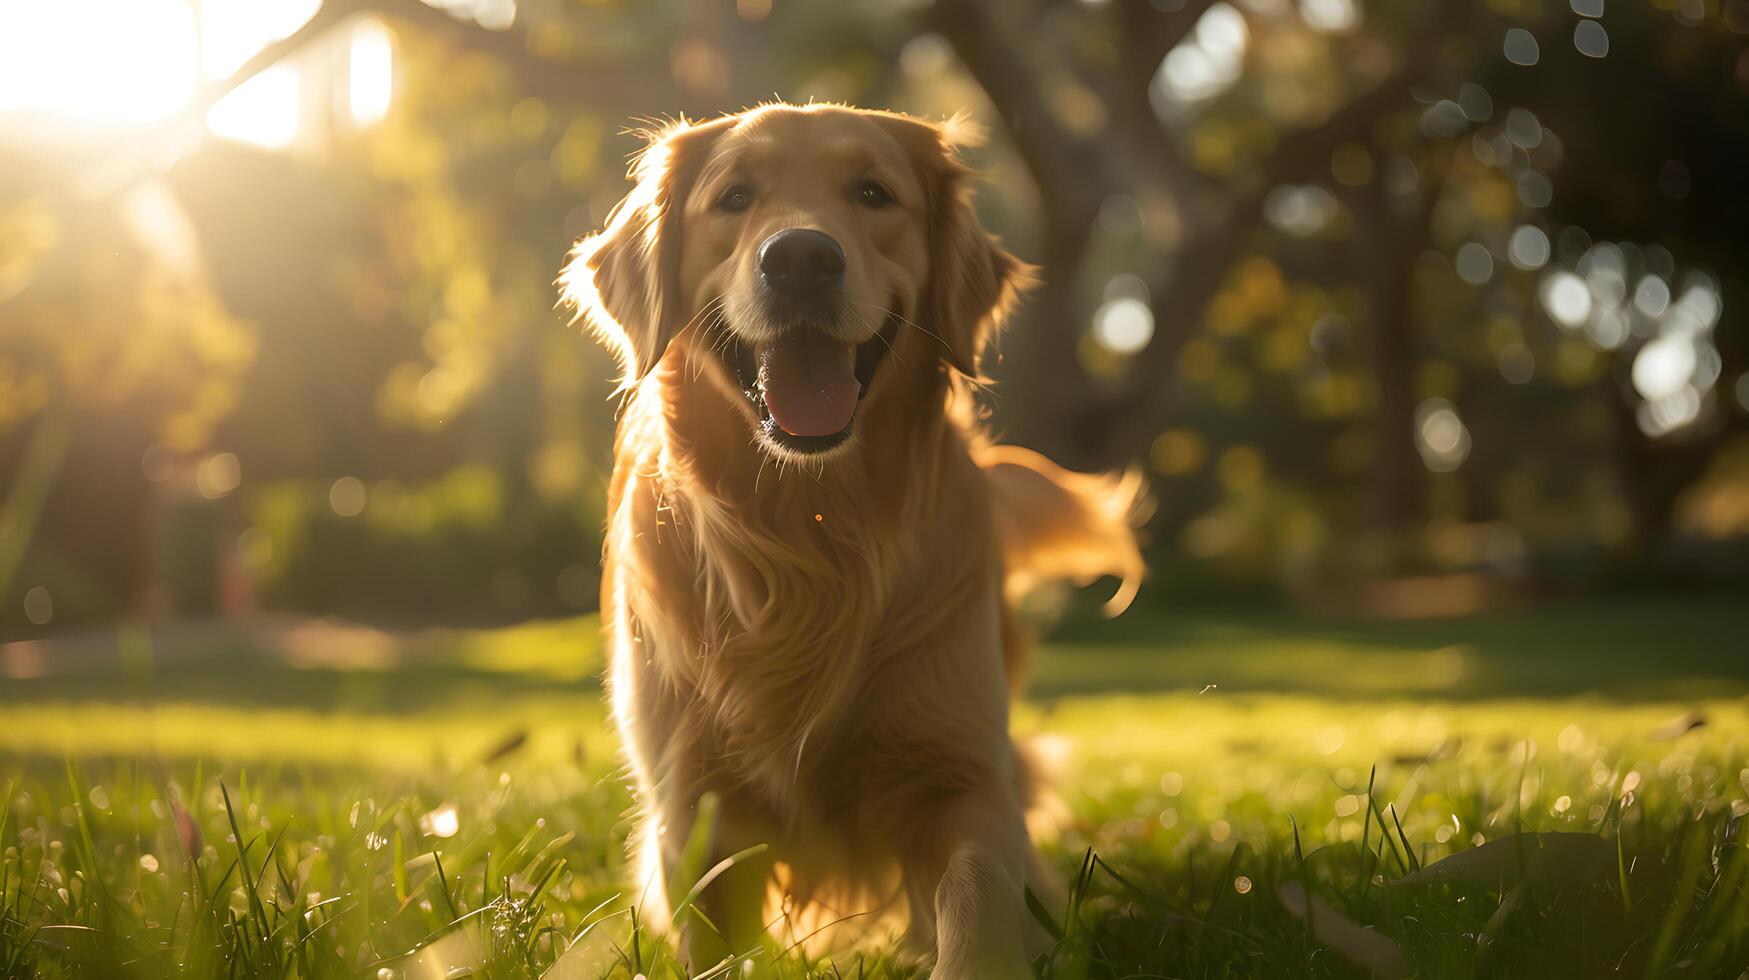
801, 262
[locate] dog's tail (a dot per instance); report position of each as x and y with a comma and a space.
1057, 525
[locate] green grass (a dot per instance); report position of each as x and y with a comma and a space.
280, 802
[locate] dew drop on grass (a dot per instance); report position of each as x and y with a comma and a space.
441, 822
1242, 885
148, 863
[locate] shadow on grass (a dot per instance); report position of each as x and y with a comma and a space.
1630, 650
1657, 649
313, 665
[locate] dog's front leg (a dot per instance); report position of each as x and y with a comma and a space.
727, 914
671, 760
979, 858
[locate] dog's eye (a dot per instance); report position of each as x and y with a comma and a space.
735, 199
871, 194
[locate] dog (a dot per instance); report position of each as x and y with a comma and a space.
809, 539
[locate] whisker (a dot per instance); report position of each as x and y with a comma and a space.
878, 334
978, 386
907, 321
706, 312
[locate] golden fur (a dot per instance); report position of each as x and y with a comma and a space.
823, 643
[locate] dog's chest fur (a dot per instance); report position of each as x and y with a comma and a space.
804, 597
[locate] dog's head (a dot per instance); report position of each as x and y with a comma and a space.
804, 253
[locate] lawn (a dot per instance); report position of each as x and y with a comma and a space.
1243, 793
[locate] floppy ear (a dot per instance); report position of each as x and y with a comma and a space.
973, 281
625, 279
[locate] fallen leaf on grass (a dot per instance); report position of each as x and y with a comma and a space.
1677, 727
1560, 859
1358, 944
506, 745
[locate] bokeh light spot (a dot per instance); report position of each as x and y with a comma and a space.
1477, 104
444, 821
1209, 61
1652, 296
1301, 211
1535, 189
1177, 452
1123, 325
1524, 129
1520, 47
1663, 367
370, 72
1330, 16
1591, 39
218, 475
1441, 436
1517, 364
1528, 248
39, 606
1474, 265
1567, 299
347, 496
261, 112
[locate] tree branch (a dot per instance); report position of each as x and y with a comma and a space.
1072, 178
1140, 404
1305, 152
636, 91
1146, 35
330, 14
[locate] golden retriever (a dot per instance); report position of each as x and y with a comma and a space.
807, 537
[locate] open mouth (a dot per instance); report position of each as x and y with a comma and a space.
806, 385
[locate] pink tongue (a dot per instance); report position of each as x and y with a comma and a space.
810, 384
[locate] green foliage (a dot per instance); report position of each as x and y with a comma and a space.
468, 545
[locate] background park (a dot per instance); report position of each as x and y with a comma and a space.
1426, 323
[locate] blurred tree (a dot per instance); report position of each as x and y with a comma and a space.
1091, 117
1319, 264
113, 342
